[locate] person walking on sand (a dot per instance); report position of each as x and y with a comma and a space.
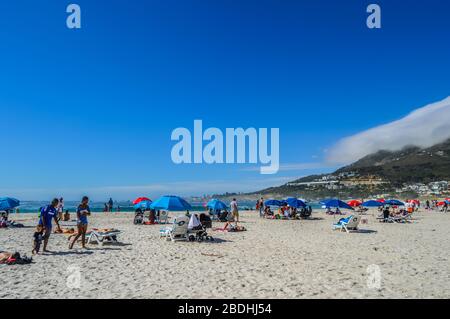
261, 207
48, 213
83, 211
110, 205
235, 210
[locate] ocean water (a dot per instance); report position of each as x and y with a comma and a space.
96, 207
125, 206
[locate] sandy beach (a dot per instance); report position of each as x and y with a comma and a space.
273, 259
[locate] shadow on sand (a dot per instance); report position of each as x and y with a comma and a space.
69, 252
363, 231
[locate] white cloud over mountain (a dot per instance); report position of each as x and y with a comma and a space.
423, 127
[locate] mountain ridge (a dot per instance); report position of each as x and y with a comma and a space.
378, 173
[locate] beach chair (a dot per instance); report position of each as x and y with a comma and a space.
178, 231
163, 217
347, 224
101, 237
401, 219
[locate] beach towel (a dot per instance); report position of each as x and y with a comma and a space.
16, 259
232, 229
65, 231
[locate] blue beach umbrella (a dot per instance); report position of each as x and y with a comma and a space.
172, 203
216, 204
394, 202
296, 203
144, 205
274, 202
336, 203
372, 203
7, 203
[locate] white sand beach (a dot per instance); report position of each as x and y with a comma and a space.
273, 259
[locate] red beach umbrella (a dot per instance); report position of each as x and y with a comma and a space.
354, 203
381, 200
139, 199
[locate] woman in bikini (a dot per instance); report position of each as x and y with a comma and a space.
83, 211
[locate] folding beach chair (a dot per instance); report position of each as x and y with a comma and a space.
178, 231
383, 219
102, 237
163, 217
347, 224
406, 218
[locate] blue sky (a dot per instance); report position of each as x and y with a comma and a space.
92, 110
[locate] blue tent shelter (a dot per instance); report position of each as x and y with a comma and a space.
274, 202
144, 205
216, 204
171, 203
296, 203
7, 203
335, 203
394, 202
372, 203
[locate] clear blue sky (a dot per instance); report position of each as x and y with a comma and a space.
91, 110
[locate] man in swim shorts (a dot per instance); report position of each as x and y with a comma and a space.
45, 220
235, 210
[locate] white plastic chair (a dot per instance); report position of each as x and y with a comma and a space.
178, 231
347, 224
103, 237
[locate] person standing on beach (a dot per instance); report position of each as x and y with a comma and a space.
83, 211
261, 207
45, 221
110, 204
235, 210
60, 208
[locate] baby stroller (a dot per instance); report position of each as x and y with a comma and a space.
206, 221
138, 217
305, 212
223, 217
196, 231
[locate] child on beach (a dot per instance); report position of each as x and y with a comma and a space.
37, 239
